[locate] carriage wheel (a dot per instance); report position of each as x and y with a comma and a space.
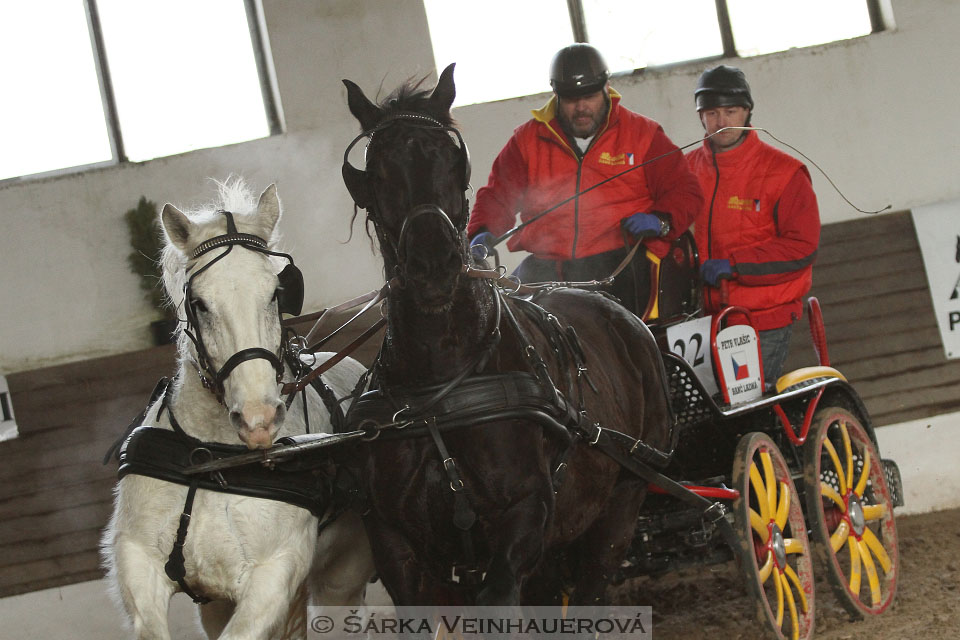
851, 513
775, 553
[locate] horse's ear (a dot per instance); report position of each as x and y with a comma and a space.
268, 209
362, 109
177, 226
442, 97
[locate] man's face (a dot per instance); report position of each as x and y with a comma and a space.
719, 117
583, 116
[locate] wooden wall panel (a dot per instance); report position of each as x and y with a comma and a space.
55, 495
880, 324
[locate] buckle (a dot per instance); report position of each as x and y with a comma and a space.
596, 436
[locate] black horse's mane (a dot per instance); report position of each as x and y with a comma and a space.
411, 97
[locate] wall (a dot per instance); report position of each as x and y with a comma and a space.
65, 289
874, 112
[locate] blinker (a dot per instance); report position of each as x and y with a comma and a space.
290, 293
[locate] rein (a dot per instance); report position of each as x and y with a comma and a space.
512, 284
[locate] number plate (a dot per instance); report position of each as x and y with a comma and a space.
691, 341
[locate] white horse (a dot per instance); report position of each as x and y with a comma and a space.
249, 556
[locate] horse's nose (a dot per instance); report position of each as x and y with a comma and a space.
433, 264
257, 423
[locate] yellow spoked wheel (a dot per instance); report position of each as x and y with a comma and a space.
851, 512
775, 553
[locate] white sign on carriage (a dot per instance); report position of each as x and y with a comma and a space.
738, 351
938, 233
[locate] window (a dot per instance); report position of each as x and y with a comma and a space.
506, 48
633, 34
105, 81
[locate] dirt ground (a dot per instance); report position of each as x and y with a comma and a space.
713, 602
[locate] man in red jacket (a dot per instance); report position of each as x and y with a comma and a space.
760, 226
580, 138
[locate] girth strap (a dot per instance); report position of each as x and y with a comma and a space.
464, 516
175, 567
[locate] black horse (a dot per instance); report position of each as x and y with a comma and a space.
483, 485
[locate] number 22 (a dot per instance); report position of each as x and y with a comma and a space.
679, 346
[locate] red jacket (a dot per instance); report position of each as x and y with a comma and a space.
763, 218
538, 168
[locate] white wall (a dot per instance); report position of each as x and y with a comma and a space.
876, 113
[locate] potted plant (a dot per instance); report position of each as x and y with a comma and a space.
144, 261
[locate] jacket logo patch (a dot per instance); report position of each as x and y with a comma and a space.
620, 158
743, 204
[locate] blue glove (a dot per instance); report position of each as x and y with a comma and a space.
482, 245
713, 271
644, 225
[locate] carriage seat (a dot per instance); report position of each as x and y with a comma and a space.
674, 284
799, 376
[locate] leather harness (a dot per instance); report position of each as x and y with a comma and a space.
167, 455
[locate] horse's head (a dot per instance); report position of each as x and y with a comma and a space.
226, 282
417, 170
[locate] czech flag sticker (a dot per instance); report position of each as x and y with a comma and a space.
740, 368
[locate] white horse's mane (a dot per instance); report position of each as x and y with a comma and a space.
234, 196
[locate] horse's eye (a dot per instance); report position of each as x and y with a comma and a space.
198, 305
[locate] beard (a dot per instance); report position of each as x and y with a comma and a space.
581, 127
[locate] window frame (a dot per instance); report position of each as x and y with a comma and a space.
265, 76
878, 23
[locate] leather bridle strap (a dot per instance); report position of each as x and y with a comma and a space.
253, 353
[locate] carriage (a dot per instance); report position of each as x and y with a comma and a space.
784, 476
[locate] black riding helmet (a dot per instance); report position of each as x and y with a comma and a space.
578, 70
722, 86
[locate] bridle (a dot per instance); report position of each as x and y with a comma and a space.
289, 300
359, 183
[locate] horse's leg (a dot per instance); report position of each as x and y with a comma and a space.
144, 589
406, 579
598, 553
295, 624
214, 616
545, 586
516, 542
272, 596
343, 565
